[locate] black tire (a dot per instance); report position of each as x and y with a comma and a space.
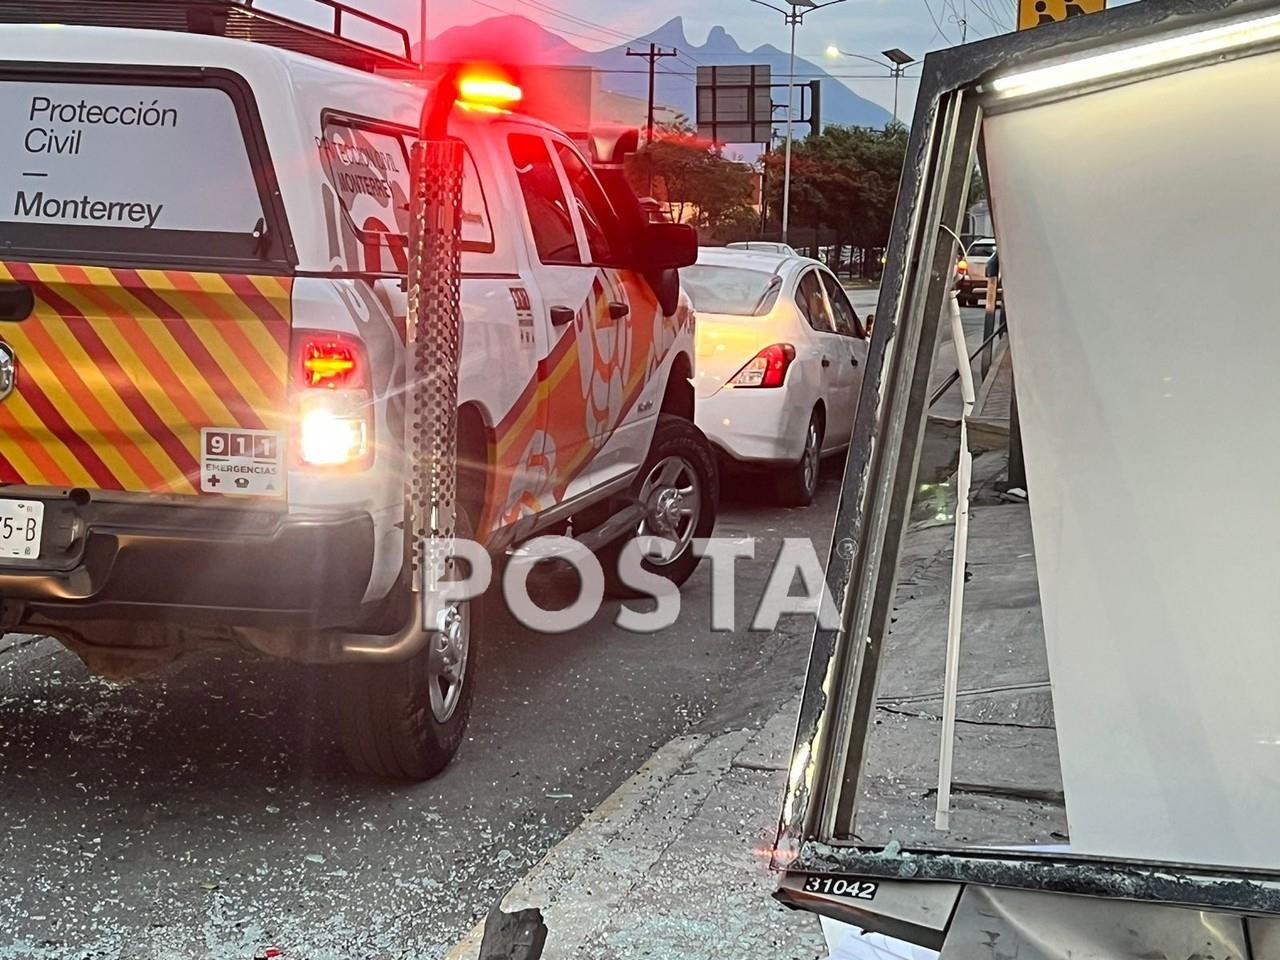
797, 483
387, 720
675, 439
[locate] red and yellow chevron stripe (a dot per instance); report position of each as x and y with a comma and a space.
118, 371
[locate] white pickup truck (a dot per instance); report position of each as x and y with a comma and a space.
202, 329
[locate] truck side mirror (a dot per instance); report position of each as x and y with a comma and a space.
669, 246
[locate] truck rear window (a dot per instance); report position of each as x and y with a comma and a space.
368, 163
129, 169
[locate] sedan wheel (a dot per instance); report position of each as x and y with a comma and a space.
799, 482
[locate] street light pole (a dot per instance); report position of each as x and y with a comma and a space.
898, 63
422, 36
794, 17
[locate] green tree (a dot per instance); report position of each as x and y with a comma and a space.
695, 182
844, 185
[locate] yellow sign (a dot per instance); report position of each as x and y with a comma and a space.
1032, 13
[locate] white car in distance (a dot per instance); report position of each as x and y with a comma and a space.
763, 246
780, 354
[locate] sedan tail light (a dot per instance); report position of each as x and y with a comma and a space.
768, 368
332, 402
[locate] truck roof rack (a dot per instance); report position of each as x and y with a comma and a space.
382, 45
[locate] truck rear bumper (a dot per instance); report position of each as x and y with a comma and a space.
116, 561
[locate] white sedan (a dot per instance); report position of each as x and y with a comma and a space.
780, 358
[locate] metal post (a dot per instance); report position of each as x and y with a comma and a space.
897, 73
900, 415
433, 341
422, 36
989, 323
959, 555
793, 19
653, 64
1017, 465
653, 56
431, 362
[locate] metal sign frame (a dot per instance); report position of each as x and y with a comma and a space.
713, 82
816, 836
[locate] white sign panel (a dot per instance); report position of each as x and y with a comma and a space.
734, 104
1137, 232
143, 157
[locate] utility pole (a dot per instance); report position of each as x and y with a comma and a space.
422, 37
794, 19
900, 61
794, 15
653, 55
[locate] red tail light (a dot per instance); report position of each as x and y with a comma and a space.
332, 402
330, 361
768, 368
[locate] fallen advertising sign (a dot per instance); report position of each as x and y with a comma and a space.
1091, 765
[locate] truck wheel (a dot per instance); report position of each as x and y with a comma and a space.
405, 721
679, 488
798, 482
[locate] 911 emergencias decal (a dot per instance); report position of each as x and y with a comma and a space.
241, 462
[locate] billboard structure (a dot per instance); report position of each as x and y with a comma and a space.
735, 104
1149, 608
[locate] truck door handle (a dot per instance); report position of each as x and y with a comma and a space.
853, 361
826, 362
17, 302
562, 315
618, 311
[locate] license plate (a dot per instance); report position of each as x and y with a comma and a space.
20, 523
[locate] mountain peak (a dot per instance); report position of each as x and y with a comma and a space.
670, 34
506, 39
719, 41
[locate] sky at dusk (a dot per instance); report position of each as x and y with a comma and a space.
856, 26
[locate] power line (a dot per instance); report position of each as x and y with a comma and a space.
573, 18
937, 27
985, 9
783, 76
583, 21
563, 31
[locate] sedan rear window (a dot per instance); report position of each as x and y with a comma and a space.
982, 249
730, 290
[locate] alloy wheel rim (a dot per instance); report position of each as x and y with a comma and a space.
447, 660
672, 501
811, 457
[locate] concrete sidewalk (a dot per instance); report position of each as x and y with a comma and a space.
675, 863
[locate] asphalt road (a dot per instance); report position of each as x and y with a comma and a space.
864, 301
207, 812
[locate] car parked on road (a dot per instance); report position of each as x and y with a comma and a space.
780, 353
763, 246
971, 271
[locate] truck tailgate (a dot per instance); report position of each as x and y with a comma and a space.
143, 381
